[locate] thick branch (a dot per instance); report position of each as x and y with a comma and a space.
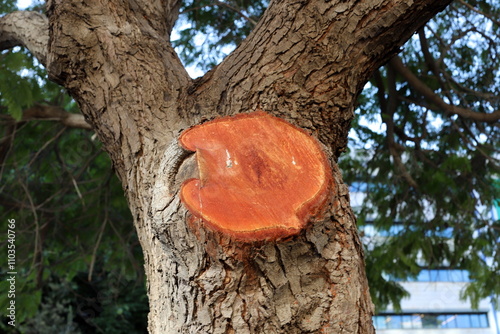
116, 61
428, 93
301, 57
29, 29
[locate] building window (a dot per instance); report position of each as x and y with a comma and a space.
438, 275
431, 320
442, 275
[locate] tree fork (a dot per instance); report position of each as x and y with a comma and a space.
305, 62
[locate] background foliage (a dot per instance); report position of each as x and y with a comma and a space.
422, 166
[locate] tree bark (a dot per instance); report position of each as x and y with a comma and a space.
306, 62
27, 29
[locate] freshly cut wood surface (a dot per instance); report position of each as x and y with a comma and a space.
260, 176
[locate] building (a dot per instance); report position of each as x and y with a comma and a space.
434, 305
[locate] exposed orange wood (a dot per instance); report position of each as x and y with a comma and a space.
260, 176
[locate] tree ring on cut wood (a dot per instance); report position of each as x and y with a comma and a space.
261, 178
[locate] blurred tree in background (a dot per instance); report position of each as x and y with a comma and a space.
424, 148
432, 162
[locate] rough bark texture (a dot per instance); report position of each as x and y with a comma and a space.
305, 62
27, 29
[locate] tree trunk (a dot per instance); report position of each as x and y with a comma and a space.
305, 62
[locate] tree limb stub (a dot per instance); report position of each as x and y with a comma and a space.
261, 178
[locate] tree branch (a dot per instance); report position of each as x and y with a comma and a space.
46, 112
6, 144
299, 53
379, 83
388, 119
423, 89
489, 16
38, 112
115, 59
429, 60
236, 10
29, 29
52, 113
